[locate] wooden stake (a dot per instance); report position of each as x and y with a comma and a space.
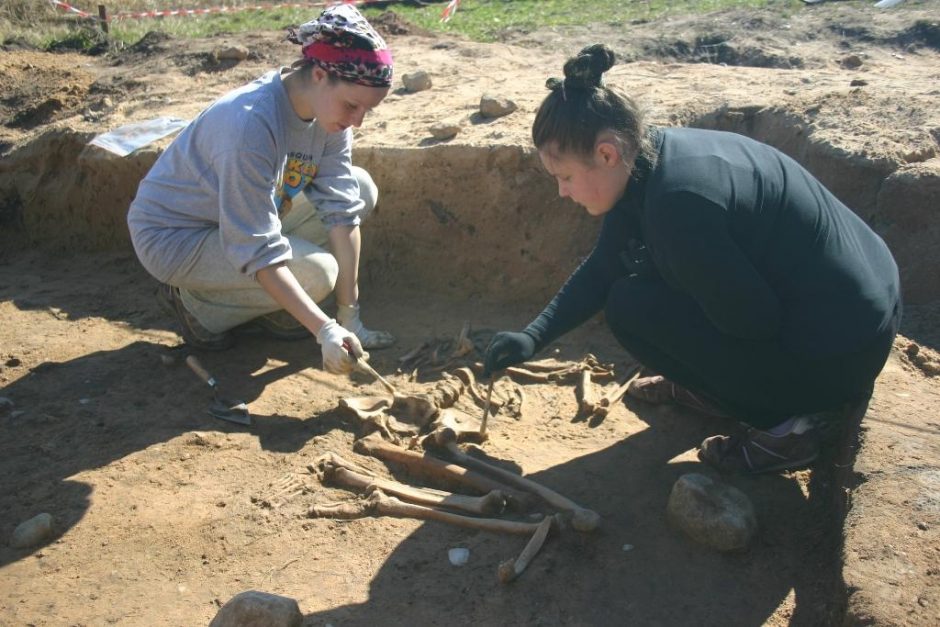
103, 17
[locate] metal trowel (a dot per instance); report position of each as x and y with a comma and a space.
221, 407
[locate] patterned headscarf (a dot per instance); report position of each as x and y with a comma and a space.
344, 44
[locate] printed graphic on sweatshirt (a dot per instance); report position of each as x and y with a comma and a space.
299, 171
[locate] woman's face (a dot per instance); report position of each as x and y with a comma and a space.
596, 183
339, 104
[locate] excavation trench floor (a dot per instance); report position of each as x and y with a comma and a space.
163, 512
161, 506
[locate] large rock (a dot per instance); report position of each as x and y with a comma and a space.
258, 609
712, 513
34, 531
416, 81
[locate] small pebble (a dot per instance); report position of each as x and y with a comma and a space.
627, 547
923, 526
458, 557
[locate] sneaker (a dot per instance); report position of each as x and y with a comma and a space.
192, 331
757, 451
280, 325
659, 390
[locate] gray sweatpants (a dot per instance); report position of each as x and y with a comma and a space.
221, 298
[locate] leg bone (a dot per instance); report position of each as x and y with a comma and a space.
582, 519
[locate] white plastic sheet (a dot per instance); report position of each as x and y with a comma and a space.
126, 139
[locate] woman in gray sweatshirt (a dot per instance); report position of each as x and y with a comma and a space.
252, 214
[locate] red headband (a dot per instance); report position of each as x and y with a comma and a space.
320, 51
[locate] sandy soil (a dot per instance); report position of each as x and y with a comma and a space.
162, 513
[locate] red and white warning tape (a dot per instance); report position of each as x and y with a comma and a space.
445, 16
449, 10
68, 7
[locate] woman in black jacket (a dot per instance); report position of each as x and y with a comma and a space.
722, 265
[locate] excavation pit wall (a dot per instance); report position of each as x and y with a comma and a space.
471, 221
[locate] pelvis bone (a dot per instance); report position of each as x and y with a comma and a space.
403, 417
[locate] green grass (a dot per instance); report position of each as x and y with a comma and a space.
33, 21
484, 20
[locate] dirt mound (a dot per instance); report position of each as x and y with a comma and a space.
39, 88
390, 24
153, 42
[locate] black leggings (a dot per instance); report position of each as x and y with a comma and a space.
758, 381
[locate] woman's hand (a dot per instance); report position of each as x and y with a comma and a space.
340, 348
507, 349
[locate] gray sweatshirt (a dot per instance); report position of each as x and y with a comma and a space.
236, 168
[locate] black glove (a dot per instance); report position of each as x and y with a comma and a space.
507, 349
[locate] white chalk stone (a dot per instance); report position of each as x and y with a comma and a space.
459, 556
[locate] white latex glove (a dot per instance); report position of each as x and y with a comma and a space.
334, 340
348, 316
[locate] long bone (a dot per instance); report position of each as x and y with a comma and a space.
383, 505
433, 469
583, 519
345, 473
511, 569
545, 372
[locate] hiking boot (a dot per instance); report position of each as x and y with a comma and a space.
659, 390
279, 325
757, 451
191, 329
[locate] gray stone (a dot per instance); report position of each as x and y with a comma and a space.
493, 107
712, 513
416, 81
444, 130
31, 532
258, 609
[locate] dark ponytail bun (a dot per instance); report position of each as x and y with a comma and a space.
585, 70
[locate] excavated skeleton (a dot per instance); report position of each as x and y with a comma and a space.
400, 425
